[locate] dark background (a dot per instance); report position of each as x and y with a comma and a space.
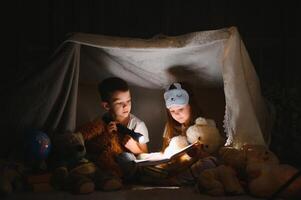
270, 30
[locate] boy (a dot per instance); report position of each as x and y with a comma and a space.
116, 100
108, 148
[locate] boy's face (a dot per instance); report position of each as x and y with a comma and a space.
180, 113
120, 104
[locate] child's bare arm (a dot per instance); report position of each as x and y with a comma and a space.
134, 146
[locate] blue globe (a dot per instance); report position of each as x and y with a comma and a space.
38, 145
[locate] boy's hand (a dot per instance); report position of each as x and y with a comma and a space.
129, 142
112, 128
132, 145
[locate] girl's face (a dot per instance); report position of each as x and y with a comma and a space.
180, 113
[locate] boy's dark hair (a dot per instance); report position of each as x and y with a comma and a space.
110, 85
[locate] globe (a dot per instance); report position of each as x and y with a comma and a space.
38, 145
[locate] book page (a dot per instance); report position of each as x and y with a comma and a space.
159, 158
184, 150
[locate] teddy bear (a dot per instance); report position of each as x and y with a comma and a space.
234, 163
231, 176
262, 171
103, 148
219, 181
72, 171
266, 175
11, 177
205, 131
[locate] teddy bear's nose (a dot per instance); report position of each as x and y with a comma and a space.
80, 148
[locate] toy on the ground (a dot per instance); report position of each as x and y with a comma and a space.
266, 175
74, 172
11, 177
220, 181
262, 171
37, 148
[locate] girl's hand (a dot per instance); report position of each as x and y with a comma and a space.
198, 151
112, 128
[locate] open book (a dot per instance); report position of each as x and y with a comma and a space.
156, 158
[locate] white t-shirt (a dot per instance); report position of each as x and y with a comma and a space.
137, 125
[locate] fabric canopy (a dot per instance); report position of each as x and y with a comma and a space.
63, 95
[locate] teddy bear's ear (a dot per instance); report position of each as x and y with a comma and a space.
201, 121
205, 122
79, 136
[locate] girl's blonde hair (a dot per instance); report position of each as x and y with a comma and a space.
172, 126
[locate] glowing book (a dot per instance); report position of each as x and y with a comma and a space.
156, 158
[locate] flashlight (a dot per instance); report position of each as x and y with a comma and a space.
123, 129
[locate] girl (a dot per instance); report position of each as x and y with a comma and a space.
182, 111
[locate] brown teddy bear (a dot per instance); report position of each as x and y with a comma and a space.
73, 172
266, 175
219, 181
262, 171
11, 177
102, 147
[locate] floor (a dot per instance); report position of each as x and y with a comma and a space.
134, 193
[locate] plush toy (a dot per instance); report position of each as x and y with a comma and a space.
266, 175
102, 147
206, 132
230, 177
262, 171
11, 177
219, 181
74, 172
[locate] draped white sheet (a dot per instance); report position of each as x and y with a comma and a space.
63, 95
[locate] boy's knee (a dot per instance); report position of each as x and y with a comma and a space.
126, 162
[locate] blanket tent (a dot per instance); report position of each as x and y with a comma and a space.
63, 94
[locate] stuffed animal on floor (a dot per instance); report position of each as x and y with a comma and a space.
263, 172
73, 172
266, 175
219, 181
214, 182
205, 131
11, 177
